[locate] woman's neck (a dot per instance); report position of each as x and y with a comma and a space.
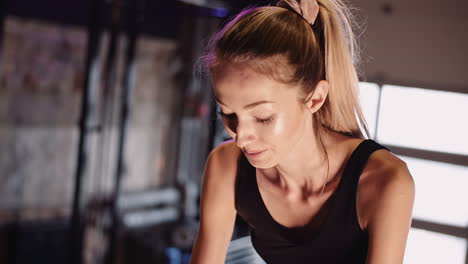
303, 171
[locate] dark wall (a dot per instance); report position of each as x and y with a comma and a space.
161, 16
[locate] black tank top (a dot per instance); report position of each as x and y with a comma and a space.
338, 238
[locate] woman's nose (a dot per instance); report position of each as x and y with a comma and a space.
244, 135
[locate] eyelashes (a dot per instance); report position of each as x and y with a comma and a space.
265, 121
232, 117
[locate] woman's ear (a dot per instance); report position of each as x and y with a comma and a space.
318, 96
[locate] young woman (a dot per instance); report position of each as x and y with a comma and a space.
299, 170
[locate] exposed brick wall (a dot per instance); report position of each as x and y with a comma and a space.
41, 80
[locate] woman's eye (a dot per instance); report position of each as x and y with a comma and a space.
232, 117
265, 121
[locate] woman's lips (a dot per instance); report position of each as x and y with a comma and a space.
254, 153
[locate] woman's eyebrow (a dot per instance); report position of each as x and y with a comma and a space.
251, 105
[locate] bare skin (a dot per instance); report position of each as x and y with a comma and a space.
291, 170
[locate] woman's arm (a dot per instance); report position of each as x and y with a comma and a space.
390, 218
217, 210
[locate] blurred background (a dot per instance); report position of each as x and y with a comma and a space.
106, 122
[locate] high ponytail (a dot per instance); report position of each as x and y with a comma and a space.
342, 111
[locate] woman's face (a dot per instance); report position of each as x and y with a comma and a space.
260, 114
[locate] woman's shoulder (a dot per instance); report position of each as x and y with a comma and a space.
380, 163
383, 166
226, 147
224, 157
385, 176
219, 174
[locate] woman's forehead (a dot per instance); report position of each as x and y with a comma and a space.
236, 88
236, 78
239, 84
244, 99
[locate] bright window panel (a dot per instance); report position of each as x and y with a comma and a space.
424, 119
441, 191
434, 248
369, 98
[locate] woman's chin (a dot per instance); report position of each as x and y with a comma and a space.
262, 164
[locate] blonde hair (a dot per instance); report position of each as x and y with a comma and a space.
281, 44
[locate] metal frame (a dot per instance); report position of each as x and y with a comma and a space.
135, 16
90, 88
3, 12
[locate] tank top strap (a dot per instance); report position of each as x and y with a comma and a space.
242, 170
245, 191
346, 194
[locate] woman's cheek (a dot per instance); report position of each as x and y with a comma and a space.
279, 128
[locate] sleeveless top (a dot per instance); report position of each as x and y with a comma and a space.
338, 238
